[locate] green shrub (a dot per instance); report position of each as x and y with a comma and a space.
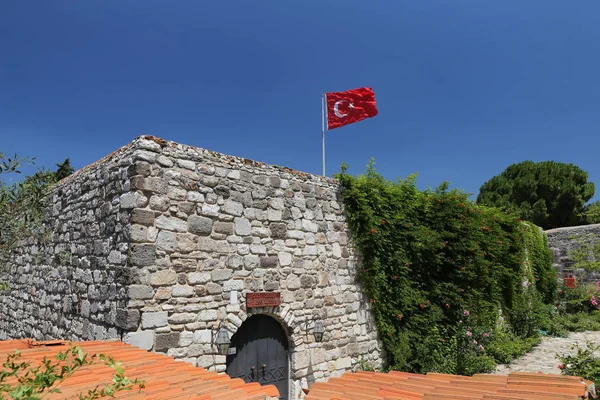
584, 363
506, 346
432, 258
580, 322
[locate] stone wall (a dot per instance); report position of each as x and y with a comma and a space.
196, 230
71, 286
563, 240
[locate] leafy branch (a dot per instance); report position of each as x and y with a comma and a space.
39, 382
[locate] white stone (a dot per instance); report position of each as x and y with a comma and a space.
310, 226
336, 250
236, 284
285, 259
242, 226
343, 363
274, 215
195, 278
233, 208
186, 338
171, 224
182, 291
142, 339
166, 241
154, 319
276, 203
202, 336
234, 174
211, 210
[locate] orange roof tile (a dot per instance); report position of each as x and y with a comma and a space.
406, 386
164, 377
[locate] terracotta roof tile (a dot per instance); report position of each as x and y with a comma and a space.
164, 377
406, 386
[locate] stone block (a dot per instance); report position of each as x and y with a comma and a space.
242, 226
142, 217
278, 230
154, 319
199, 225
127, 319
142, 339
195, 278
207, 315
182, 291
139, 233
164, 277
203, 336
268, 262
221, 274
285, 259
343, 363
225, 228
132, 200
186, 338
213, 288
233, 285
166, 341
171, 224
150, 184
274, 215
182, 318
233, 208
140, 292
142, 255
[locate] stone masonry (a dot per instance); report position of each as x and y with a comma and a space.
563, 240
159, 242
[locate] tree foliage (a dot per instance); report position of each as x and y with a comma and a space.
592, 213
549, 194
438, 267
22, 203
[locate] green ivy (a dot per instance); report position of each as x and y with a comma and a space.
436, 266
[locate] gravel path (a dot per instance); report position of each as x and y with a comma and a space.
543, 357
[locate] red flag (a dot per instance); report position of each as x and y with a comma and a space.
354, 105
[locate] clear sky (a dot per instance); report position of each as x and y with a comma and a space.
464, 87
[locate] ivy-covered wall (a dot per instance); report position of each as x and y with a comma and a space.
437, 268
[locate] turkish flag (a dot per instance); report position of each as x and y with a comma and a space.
351, 106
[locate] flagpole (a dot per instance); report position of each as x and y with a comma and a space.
323, 126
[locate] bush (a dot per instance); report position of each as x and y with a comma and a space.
506, 346
434, 263
580, 322
584, 363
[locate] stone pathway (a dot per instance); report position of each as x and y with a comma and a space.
543, 357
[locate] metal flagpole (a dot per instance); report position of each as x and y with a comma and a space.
323, 126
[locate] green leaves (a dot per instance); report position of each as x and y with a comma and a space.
549, 194
427, 257
36, 383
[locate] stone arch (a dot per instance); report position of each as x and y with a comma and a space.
284, 316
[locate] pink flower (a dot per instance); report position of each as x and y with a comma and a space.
474, 341
486, 335
469, 334
466, 313
481, 347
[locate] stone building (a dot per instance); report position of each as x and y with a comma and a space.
177, 249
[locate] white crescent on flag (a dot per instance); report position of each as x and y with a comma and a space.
336, 108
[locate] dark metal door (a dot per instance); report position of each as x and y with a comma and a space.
259, 353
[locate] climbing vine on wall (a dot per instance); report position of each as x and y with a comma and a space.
436, 267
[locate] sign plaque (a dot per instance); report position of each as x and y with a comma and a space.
263, 299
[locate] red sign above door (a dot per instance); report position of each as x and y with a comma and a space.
263, 299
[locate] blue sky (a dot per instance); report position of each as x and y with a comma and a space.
464, 88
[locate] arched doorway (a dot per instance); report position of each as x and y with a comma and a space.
259, 352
